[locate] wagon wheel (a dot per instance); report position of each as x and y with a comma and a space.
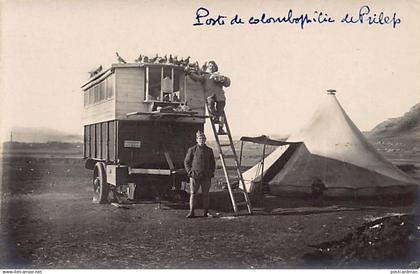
100, 186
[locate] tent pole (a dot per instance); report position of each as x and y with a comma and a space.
240, 154
262, 166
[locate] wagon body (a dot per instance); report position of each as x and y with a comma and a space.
139, 120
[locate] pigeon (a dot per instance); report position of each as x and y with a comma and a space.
145, 59
204, 67
163, 60
95, 71
171, 59
120, 60
176, 61
197, 67
139, 59
186, 61
153, 59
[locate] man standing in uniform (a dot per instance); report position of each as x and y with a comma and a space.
200, 165
213, 83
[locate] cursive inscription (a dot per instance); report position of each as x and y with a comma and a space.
202, 18
364, 15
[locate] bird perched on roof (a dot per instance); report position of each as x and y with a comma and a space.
176, 61
163, 60
153, 59
204, 67
171, 59
95, 71
139, 59
120, 60
186, 61
197, 67
145, 59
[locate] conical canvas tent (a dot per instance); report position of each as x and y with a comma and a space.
332, 150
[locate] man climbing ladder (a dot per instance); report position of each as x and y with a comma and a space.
213, 83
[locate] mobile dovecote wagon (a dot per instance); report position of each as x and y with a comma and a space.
139, 120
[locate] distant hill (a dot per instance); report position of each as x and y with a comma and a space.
407, 126
43, 135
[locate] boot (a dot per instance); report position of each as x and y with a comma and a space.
221, 131
215, 119
190, 215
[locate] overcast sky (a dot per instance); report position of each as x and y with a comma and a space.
279, 72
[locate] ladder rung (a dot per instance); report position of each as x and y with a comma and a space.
233, 177
222, 133
233, 185
239, 190
232, 168
241, 204
225, 145
229, 156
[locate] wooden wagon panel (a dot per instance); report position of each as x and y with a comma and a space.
130, 85
103, 110
98, 140
112, 141
86, 142
92, 141
104, 141
195, 96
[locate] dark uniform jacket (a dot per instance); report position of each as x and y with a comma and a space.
199, 162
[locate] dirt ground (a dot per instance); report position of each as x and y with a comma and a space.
48, 220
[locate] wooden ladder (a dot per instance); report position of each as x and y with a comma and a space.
223, 157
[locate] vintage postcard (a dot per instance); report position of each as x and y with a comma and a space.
209, 135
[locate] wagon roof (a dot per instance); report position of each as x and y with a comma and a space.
97, 78
103, 74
